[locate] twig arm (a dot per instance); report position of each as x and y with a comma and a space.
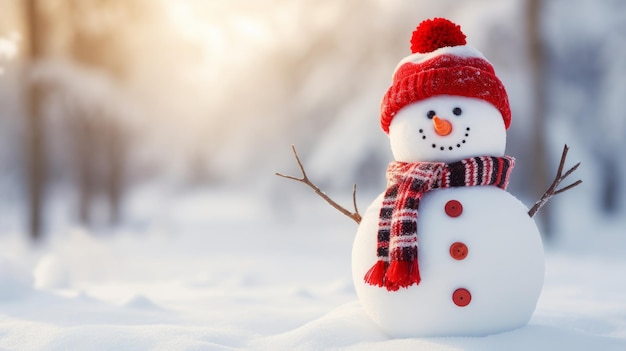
356, 209
305, 180
552, 190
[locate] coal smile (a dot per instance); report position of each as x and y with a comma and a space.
447, 147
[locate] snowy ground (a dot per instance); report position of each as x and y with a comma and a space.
214, 272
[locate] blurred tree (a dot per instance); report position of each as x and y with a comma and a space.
91, 38
538, 112
35, 131
94, 38
97, 34
585, 73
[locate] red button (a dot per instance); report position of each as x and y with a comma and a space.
461, 297
453, 208
458, 251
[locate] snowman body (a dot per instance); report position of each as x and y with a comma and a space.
492, 250
480, 254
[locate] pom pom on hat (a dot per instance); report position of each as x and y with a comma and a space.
434, 34
441, 64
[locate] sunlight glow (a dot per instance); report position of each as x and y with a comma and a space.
8, 48
224, 30
250, 28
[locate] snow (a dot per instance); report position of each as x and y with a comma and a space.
256, 282
50, 273
14, 280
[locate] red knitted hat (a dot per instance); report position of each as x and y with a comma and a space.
442, 64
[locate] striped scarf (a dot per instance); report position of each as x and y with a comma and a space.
397, 265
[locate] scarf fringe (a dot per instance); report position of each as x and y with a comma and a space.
402, 274
376, 274
398, 274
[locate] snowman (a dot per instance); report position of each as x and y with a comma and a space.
446, 250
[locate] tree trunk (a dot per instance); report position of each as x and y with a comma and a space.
539, 152
102, 168
115, 144
610, 184
35, 133
84, 159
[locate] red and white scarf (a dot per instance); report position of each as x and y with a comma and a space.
397, 265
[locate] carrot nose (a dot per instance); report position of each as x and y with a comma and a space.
443, 127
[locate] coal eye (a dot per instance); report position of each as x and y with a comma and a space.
431, 114
457, 111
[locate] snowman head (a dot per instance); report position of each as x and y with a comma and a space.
447, 128
445, 102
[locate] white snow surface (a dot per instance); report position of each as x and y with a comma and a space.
216, 270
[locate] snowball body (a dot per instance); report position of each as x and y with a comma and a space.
503, 270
